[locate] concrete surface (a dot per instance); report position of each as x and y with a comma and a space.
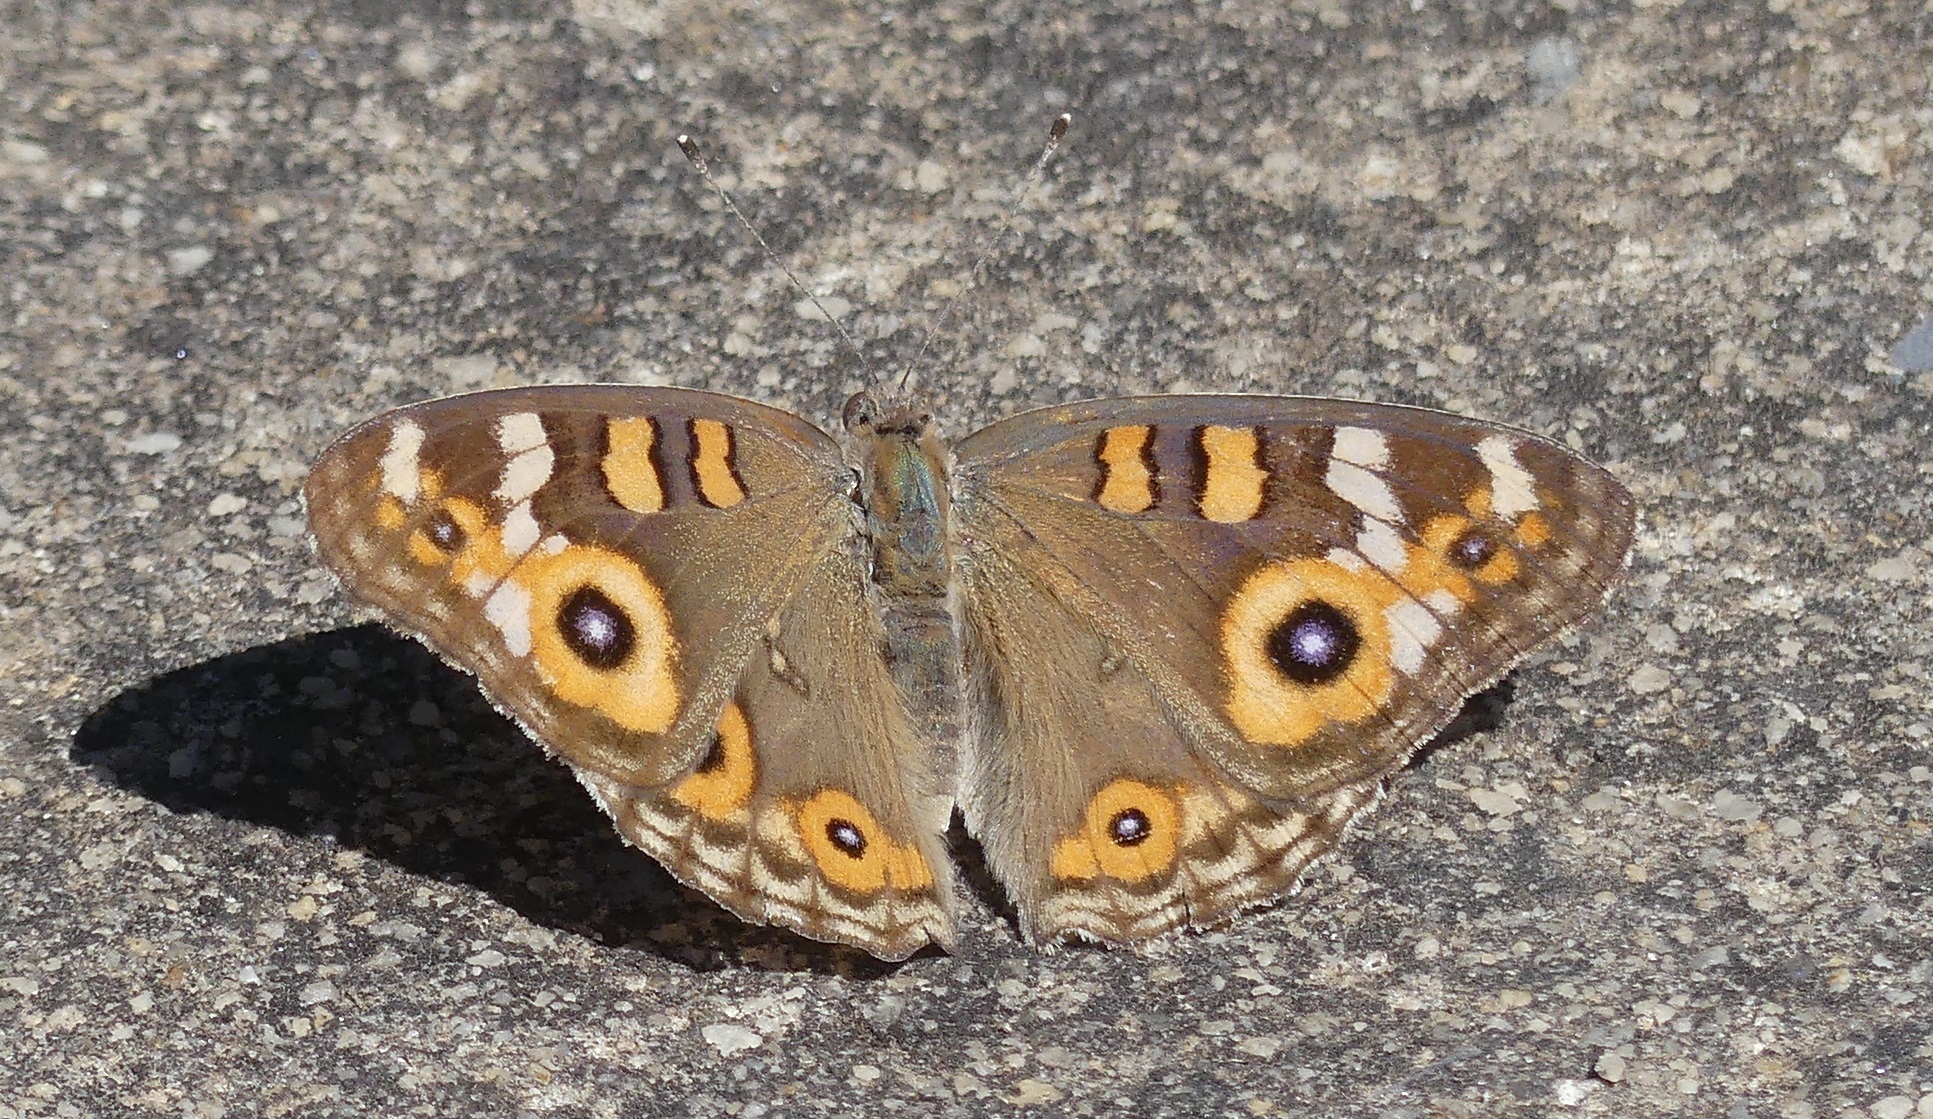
260, 858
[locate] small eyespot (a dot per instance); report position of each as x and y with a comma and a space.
596, 631
1314, 644
1473, 549
846, 836
444, 532
1130, 827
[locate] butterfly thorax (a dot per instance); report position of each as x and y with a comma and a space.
904, 496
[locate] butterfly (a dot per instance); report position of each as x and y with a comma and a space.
1156, 651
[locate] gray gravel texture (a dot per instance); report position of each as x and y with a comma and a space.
260, 857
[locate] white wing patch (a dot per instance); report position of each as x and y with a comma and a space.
1364, 490
521, 435
1443, 603
520, 530
1361, 446
508, 608
1412, 630
402, 462
520, 432
1383, 546
1512, 490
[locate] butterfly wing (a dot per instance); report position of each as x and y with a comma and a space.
664, 587
1250, 610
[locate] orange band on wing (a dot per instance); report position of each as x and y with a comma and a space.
1233, 481
630, 469
1127, 476
712, 467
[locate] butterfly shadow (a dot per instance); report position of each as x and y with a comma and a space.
368, 740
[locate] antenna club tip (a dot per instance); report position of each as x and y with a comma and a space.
689, 146
1061, 124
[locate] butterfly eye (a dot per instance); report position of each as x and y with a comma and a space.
861, 411
1314, 644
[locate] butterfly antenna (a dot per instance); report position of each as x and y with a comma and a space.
690, 147
984, 250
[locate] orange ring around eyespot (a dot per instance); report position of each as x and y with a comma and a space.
641, 692
468, 516
1093, 851
882, 864
721, 792
1442, 533
1267, 707
390, 515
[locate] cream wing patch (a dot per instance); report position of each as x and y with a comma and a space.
1412, 630
1512, 490
520, 530
521, 435
402, 462
1355, 455
508, 608
1364, 490
1383, 546
1362, 447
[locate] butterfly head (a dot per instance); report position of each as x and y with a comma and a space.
893, 415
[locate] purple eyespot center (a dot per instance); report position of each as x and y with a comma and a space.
1129, 827
1314, 643
846, 836
596, 630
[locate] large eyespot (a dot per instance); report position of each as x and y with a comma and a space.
850, 847
1130, 830
1314, 644
598, 630
1306, 642
722, 784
